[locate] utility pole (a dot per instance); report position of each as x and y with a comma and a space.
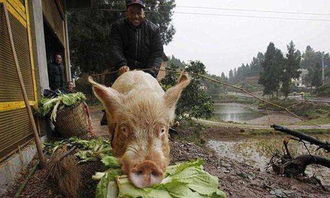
323, 68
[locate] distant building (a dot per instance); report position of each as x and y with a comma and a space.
299, 81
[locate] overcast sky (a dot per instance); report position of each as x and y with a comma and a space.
225, 42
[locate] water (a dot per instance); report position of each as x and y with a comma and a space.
235, 112
257, 151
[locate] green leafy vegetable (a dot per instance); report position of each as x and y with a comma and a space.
111, 161
89, 150
182, 180
92, 150
51, 105
171, 170
107, 185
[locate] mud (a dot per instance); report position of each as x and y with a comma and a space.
238, 179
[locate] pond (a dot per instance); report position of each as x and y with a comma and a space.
235, 112
257, 151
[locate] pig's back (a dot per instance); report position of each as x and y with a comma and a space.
137, 81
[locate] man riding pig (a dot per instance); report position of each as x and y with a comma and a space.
135, 43
139, 114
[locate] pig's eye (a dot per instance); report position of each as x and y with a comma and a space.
162, 131
154, 173
124, 129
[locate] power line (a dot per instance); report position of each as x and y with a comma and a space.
252, 10
245, 10
252, 16
224, 15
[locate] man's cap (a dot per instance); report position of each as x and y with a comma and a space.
139, 2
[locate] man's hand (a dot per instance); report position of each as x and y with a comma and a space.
123, 69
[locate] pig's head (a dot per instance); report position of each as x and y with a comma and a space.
139, 124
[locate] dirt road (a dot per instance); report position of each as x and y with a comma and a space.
263, 123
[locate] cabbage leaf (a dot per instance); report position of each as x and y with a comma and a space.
183, 180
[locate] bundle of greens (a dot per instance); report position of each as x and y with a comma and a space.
88, 150
47, 105
183, 180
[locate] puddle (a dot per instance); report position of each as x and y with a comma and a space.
235, 112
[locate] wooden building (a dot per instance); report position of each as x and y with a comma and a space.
39, 30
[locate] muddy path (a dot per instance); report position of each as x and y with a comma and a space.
242, 180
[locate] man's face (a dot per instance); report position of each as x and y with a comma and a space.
70, 86
135, 14
58, 59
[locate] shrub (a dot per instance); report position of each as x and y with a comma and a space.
324, 90
194, 101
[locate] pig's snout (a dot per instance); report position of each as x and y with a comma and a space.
146, 174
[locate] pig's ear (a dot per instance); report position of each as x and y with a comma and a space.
172, 95
110, 98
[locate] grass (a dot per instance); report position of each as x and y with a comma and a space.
271, 131
193, 138
315, 131
321, 120
215, 118
190, 131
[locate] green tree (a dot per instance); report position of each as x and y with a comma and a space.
89, 30
316, 75
241, 73
214, 89
310, 59
255, 65
223, 77
171, 76
89, 35
176, 61
194, 101
231, 76
290, 70
272, 70
160, 12
247, 70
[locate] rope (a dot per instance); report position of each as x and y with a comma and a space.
224, 84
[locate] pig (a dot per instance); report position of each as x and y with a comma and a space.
139, 115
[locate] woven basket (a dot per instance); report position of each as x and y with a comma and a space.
73, 121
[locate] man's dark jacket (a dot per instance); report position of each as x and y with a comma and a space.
137, 47
56, 75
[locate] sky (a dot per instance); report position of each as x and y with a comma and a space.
225, 42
